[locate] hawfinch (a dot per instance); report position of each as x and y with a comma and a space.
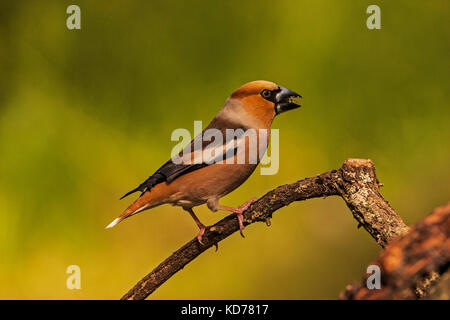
191, 180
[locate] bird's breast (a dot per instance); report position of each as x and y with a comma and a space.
213, 181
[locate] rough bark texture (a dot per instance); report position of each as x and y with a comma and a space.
412, 264
441, 291
355, 182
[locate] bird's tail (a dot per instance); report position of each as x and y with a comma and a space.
150, 199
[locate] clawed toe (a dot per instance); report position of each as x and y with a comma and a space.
200, 235
246, 205
239, 212
241, 223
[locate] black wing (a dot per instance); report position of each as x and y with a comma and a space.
170, 171
167, 173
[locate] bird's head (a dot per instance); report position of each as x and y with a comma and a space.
265, 99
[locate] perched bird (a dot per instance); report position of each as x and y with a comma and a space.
189, 182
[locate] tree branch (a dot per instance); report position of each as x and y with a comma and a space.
413, 263
355, 182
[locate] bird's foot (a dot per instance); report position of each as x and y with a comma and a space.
200, 225
200, 234
247, 204
239, 210
241, 223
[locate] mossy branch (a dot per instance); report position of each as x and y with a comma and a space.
412, 264
355, 182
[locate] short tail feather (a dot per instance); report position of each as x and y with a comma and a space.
147, 200
112, 224
139, 205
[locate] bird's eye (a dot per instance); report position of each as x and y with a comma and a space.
266, 93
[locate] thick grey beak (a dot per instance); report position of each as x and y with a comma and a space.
284, 100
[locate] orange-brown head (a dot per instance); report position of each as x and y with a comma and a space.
264, 99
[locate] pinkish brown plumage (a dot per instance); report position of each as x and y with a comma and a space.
252, 106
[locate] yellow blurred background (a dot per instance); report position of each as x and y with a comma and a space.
86, 115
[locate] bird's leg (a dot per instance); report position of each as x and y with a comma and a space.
239, 210
200, 225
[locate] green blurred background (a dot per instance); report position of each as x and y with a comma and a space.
87, 114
